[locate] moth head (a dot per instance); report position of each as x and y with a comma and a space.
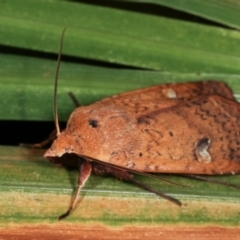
94, 131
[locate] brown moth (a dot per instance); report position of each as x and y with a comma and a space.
185, 128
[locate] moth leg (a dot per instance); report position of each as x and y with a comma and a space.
129, 177
42, 144
74, 99
207, 179
161, 194
84, 173
124, 175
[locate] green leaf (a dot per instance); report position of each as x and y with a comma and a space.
119, 36
26, 85
183, 51
35, 191
221, 11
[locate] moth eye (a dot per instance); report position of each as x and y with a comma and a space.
93, 123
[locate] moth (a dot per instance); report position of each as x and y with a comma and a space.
185, 128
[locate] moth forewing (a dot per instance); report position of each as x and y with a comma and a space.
199, 136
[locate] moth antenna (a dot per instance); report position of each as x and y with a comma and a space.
55, 85
74, 99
